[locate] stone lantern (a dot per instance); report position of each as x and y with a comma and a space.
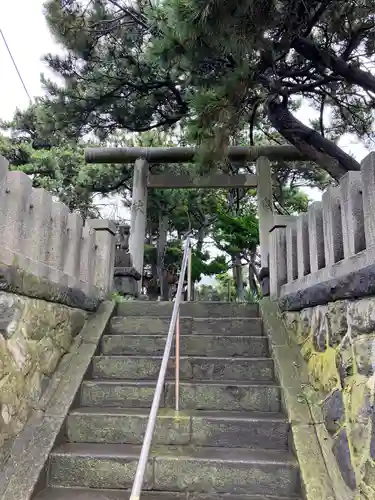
125, 275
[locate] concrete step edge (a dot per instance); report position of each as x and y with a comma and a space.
250, 416
168, 452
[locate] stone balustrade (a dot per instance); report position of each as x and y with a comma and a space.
334, 240
42, 238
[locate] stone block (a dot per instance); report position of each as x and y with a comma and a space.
341, 451
361, 316
303, 248
333, 411
320, 328
353, 224
338, 323
222, 396
364, 354
332, 224
316, 236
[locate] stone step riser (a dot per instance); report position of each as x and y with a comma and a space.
147, 368
207, 326
91, 494
166, 474
178, 429
192, 309
190, 345
192, 396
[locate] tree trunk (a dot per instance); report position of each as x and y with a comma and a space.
160, 254
238, 278
322, 151
321, 57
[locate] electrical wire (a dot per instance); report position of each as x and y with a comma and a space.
15, 65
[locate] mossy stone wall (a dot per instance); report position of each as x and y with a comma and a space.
34, 336
337, 341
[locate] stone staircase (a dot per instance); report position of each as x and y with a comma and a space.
229, 441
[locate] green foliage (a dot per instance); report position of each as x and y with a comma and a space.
236, 234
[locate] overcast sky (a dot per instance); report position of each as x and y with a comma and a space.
26, 32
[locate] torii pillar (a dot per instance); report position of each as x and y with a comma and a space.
139, 216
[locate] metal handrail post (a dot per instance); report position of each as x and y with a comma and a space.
177, 363
189, 274
142, 463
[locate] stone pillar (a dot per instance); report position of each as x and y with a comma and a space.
15, 205
73, 252
291, 252
316, 236
303, 250
265, 206
40, 227
368, 183
57, 243
278, 266
87, 259
139, 215
333, 245
105, 232
352, 219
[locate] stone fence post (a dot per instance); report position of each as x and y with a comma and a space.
105, 238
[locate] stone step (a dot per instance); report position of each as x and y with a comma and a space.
192, 309
224, 470
195, 395
201, 368
149, 325
190, 345
204, 428
94, 494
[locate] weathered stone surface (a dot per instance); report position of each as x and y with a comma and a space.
338, 323
333, 411
341, 451
320, 328
356, 284
17, 281
34, 335
338, 342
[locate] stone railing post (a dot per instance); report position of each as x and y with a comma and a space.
265, 206
139, 216
368, 184
332, 226
278, 262
303, 247
291, 251
73, 249
316, 236
87, 259
352, 219
105, 239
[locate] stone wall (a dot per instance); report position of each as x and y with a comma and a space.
41, 237
34, 336
337, 341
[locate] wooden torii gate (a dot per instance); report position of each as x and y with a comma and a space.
142, 180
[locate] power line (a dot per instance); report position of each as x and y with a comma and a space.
15, 65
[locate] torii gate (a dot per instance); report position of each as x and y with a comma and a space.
142, 180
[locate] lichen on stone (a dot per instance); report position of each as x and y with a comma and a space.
338, 343
34, 335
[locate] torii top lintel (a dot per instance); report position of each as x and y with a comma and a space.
186, 154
